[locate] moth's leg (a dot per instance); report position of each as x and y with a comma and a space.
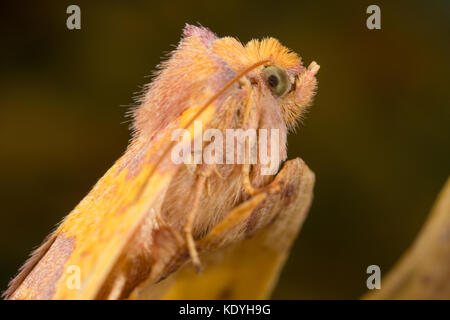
175, 234
201, 183
249, 189
249, 121
231, 221
192, 169
117, 287
246, 180
282, 189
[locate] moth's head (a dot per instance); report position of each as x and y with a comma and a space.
294, 91
283, 75
203, 64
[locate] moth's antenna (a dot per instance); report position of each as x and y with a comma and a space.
202, 109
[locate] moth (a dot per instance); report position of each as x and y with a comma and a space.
153, 227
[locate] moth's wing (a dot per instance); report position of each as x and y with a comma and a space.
244, 254
93, 236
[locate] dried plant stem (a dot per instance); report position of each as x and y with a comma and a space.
424, 271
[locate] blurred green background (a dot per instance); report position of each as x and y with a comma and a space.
377, 136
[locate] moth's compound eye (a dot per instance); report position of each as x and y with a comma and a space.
277, 80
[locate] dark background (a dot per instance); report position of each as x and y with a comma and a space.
377, 137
